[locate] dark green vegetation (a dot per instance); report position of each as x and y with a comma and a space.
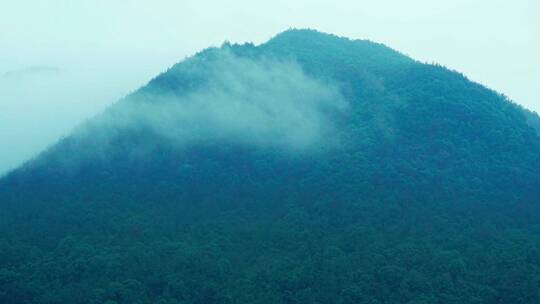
426, 191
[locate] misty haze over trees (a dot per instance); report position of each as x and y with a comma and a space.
308, 169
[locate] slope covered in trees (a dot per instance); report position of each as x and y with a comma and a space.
309, 169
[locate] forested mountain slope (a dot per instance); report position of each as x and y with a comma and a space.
309, 169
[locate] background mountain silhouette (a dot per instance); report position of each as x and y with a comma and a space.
308, 169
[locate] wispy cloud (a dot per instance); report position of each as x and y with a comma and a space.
262, 102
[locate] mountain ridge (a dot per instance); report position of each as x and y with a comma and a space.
384, 100
287, 37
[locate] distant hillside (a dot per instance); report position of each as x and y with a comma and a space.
309, 169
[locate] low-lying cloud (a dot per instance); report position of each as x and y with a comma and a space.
263, 102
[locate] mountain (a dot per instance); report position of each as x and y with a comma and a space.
308, 169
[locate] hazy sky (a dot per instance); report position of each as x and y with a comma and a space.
63, 61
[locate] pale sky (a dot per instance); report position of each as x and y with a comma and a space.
63, 61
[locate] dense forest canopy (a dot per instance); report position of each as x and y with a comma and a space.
308, 169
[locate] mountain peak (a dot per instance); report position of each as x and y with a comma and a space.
305, 32
307, 36
317, 45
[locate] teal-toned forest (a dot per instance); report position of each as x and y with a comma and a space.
308, 169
